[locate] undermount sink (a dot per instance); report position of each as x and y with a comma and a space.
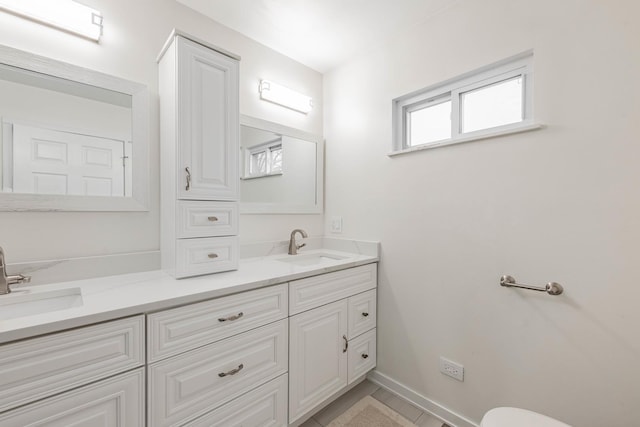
29, 302
311, 259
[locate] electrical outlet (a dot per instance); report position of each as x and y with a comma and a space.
336, 224
452, 369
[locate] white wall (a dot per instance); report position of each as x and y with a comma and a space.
133, 36
559, 204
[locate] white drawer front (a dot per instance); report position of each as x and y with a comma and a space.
206, 219
266, 406
362, 313
114, 402
39, 367
362, 355
315, 291
189, 385
206, 255
175, 331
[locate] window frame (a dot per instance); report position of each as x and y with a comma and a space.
267, 147
453, 89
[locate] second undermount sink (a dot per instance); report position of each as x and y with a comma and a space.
311, 259
29, 302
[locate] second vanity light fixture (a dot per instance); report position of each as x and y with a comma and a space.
66, 15
281, 95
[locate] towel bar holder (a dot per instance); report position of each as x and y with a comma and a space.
552, 288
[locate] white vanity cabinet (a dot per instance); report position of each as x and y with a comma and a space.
206, 358
332, 335
200, 180
91, 375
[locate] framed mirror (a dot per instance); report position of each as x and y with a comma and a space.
71, 139
281, 169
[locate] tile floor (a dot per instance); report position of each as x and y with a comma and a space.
404, 408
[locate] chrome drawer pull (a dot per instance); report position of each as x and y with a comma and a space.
365, 314
212, 218
213, 255
231, 318
365, 355
231, 372
346, 344
188, 179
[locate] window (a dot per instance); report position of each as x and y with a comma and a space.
490, 101
263, 160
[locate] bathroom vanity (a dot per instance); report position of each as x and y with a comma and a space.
270, 343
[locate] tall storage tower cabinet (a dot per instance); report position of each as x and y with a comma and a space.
199, 120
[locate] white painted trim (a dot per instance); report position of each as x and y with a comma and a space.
427, 405
510, 130
176, 32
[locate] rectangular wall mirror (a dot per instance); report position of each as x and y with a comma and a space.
281, 169
72, 139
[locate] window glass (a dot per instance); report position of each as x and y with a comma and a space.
429, 124
491, 106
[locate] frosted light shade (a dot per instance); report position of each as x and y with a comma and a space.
67, 15
278, 94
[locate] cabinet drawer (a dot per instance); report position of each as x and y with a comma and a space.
308, 293
39, 367
362, 355
206, 219
264, 406
206, 255
114, 402
362, 313
189, 385
180, 329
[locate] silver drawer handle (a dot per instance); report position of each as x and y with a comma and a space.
188, 179
213, 256
346, 344
365, 314
231, 318
212, 218
232, 372
365, 355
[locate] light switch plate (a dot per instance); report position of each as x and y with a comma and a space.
336, 224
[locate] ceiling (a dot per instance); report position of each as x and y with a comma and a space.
321, 34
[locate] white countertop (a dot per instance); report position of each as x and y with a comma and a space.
112, 297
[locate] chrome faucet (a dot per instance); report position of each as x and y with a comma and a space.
7, 281
293, 247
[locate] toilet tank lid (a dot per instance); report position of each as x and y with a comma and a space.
506, 417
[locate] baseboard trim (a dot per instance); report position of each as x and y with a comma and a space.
427, 405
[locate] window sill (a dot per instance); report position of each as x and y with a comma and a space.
470, 138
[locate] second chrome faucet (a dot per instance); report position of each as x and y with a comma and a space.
293, 246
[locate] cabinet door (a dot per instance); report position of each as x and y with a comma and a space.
317, 356
208, 123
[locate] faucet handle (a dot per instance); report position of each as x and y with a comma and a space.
301, 246
24, 279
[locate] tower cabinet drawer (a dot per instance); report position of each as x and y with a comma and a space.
186, 386
312, 292
206, 219
362, 313
117, 401
362, 355
40, 367
184, 328
206, 255
264, 406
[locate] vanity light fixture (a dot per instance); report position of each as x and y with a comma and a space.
278, 94
66, 15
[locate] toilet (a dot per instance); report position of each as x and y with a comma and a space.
516, 417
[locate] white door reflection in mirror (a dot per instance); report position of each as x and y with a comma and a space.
45, 161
